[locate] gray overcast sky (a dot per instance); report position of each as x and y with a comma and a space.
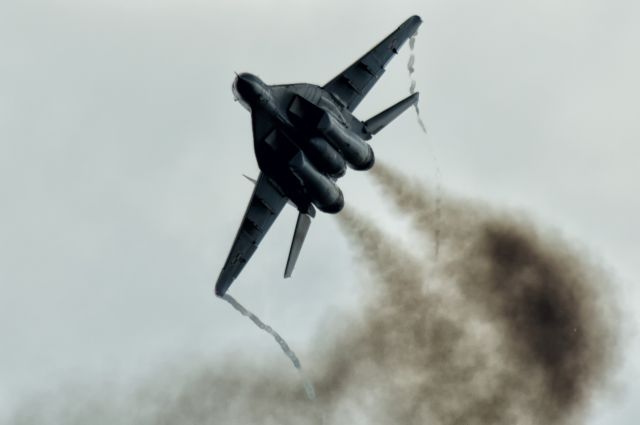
121, 153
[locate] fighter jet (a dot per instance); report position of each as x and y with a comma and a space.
305, 136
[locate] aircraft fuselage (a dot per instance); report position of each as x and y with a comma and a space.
304, 139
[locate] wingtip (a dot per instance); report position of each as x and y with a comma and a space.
412, 24
219, 291
415, 19
222, 285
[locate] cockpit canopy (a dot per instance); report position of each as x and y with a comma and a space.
236, 95
249, 89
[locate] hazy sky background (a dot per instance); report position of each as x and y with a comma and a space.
121, 154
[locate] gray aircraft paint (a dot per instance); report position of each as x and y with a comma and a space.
562, 83
304, 137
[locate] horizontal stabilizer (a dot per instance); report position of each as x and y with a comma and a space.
302, 226
380, 121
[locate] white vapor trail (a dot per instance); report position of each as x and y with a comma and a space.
308, 385
412, 89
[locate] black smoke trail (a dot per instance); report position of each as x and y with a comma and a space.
510, 326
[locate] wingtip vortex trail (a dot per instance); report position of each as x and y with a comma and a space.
284, 346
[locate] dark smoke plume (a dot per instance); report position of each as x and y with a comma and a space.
507, 326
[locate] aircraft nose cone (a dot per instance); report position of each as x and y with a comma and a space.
248, 86
242, 84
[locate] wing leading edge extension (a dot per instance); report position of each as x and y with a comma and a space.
353, 84
264, 206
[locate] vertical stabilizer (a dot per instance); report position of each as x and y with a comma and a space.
302, 226
380, 121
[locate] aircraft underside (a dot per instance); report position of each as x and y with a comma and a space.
305, 138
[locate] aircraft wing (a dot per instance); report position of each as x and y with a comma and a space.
353, 84
264, 206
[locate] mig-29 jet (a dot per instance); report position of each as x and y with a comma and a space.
304, 137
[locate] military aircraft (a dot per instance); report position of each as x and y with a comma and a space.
304, 137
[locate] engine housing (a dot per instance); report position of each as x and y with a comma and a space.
323, 192
358, 153
325, 157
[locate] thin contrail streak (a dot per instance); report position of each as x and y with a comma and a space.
434, 157
308, 385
